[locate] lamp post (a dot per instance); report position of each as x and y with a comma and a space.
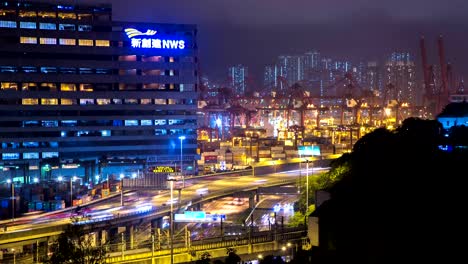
171, 228
12, 199
181, 163
121, 189
72, 179
307, 186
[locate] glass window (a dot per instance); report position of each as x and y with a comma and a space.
67, 101
145, 101
9, 86
117, 101
146, 122
69, 42
67, 70
102, 43
49, 123
66, 15
160, 101
49, 101
30, 101
48, 155
105, 133
45, 14
68, 87
7, 24
85, 42
29, 69
9, 69
29, 86
85, 17
159, 132
30, 155
160, 122
131, 101
103, 71
27, 13
28, 40
27, 24
68, 123
103, 101
67, 27
131, 122
85, 28
7, 13
48, 41
48, 26
48, 87
10, 156
86, 101
48, 70
86, 87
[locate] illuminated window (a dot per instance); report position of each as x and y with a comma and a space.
9, 86
127, 58
10, 156
30, 155
48, 70
160, 122
131, 101
8, 69
117, 101
145, 101
48, 155
85, 71
103, 101
159, 132
68, 87
146, 122
29, 86
86, 87
67, 27
7, 24
67, 70
30, 101
29, 69
85, 17
24, 13
49, 101
85, 42
160, 101
172, 101
131, 122
68, 123
86, 101
48, 41
68, 101
69, 42
152, 58
66, 15
48, 26
27, 24
46, 87
49, 123
103, 71
102, 43
45, 14
171, 59
7, 13
85, 28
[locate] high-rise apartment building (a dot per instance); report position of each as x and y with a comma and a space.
291, 68
238, 77
84, 95
400, 72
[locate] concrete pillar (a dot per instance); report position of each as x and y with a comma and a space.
104, 237
113, 238
251, 201
129, 235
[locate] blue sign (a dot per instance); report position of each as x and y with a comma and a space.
146, 40
309, 150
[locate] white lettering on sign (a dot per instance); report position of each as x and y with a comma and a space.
152, 43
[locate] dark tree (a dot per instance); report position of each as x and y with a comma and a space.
232, 257
74, 246
400, 201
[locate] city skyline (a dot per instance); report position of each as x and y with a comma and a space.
255, 33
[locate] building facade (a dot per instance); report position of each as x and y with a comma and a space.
238, 76
84, 95
400, 71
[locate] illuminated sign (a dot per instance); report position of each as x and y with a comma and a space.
163, 169
198, 216
145, 40
309, 150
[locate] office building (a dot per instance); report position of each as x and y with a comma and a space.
84, 95
238, 79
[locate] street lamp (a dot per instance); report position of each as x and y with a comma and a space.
121, 189
72, 179
181, 164
171, 228
12, 199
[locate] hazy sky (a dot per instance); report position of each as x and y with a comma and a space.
255, 32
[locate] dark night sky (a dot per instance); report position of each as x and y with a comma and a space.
255, 32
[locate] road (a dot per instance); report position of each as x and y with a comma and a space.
138, 202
